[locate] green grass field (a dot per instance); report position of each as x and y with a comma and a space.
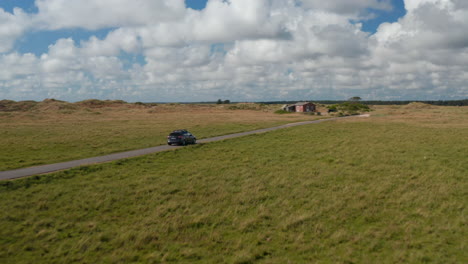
48, 134
388, 189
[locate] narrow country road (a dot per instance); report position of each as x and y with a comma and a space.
25, 172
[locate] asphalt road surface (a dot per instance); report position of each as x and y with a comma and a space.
25, 172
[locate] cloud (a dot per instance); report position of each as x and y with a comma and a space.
349, 7
122, 39
227, 21
92, 15
425, 52
12, 26
429, 28
220, 22
17, 66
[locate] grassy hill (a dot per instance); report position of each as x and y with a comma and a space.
388, 189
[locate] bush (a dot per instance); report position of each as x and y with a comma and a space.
247, 106
281, 112
349, 108
95, 103
333, 108
12, 106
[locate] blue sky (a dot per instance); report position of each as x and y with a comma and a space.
384, 16
166, 49
27, 5
196, 4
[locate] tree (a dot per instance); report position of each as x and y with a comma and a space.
226, 102
355, 99
219, 101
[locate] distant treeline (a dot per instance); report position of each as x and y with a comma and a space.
440, 102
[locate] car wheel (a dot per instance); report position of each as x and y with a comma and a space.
183, 143
194, 141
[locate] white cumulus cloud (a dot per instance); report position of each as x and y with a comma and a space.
12, 26
92, 14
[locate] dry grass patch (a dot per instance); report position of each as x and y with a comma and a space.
421, 114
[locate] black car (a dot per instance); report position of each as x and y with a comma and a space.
181, 137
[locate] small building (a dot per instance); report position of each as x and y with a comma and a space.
289, 108
305, 107
301, 107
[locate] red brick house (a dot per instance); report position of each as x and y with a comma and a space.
301, 107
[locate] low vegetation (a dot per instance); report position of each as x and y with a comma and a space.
463, 102
250, 106
349, 108
391, 188
282, 112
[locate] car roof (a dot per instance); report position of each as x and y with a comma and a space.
179, 131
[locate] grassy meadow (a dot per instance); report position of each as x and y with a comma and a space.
54, 131
392, 188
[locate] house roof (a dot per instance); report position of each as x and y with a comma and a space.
302, 103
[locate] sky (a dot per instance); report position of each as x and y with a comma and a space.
238, 50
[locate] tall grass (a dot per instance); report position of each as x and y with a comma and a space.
341, 192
